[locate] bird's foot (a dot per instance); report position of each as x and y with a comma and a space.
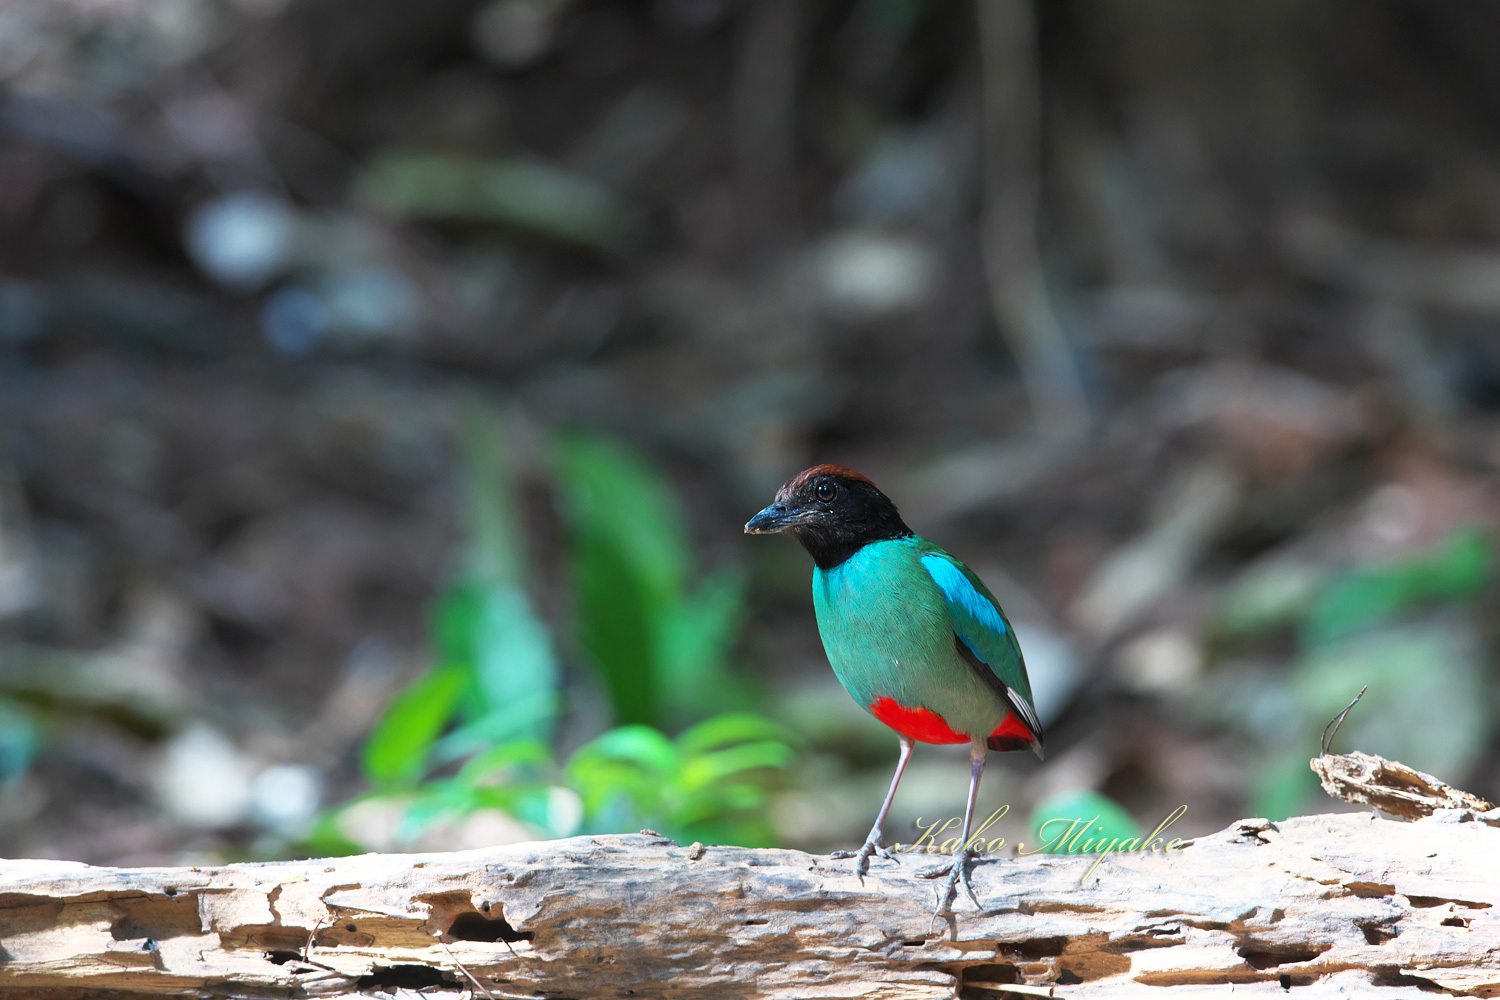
874, 846
958, 872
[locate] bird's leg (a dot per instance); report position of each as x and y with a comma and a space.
958, 871
875, 842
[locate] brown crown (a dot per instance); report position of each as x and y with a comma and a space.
827, 469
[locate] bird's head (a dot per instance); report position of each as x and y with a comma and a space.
832, 511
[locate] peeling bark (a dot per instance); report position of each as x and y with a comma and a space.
1392, 787
1317, 904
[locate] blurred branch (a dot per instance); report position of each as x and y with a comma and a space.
1445, 275
1191, 513
1011, 124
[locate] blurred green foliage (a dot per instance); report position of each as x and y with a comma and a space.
1098, 818
1401, 626
634, 776
20, 740
476, 731
528, 195
661, 646
1458, 569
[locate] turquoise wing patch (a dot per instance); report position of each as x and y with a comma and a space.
984, 633
958, 590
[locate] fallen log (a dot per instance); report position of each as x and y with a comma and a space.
1350, 903
1394, 788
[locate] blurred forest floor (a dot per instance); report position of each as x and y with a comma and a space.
1176, 321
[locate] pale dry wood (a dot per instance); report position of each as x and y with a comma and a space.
1391, 786
1348, 904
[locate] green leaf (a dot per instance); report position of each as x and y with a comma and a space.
695, 635
1428, 703
1459, 568
609, 491
634, 775
629, 561
724, 730
434, 803
720, 765
1270, 594
1063, 823
496, 726
715, 802
744, 831
455, 622
614, 625
20, 740
506, 756
513, 659
526, 194
495, 548
510, 798
1281, 788
397, 750
662, 652
640, 745
327, 838
623, 774
485, 623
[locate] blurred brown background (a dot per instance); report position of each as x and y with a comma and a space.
1177, 321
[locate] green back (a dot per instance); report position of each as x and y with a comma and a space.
888, 627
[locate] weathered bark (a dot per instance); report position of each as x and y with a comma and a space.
1394, 788
1337, 902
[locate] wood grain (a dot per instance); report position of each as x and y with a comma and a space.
1350, 904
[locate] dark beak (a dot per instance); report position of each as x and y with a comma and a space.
777, 517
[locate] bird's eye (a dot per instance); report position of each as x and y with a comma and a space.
825, 491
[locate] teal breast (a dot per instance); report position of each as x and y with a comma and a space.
889, 636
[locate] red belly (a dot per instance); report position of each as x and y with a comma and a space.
926, 726
920, 724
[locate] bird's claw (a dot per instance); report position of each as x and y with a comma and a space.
957, 871
873, 847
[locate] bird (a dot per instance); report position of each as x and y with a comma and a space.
912, 634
